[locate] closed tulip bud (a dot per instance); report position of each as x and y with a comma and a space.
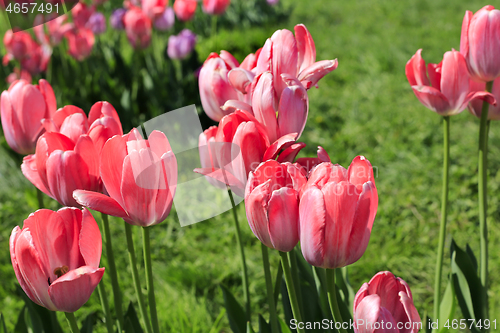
185, 9
215, 7
22, 109
180, 46
116, 18
80, 43
56, 257
138, 27
337, 210
385, 304
166, 20
140, 177
447, 90
480, 43
475, 106
153, 8
272, 204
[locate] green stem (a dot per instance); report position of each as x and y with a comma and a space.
39, 196
105, 306
149, 280
295, 276
277, 282
320, 280
332, 298
273, 317
70, 316
117, 296
246, 294
291, 290
135, 277
444, 215
482, 194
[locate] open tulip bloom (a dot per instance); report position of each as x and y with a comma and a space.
56, 257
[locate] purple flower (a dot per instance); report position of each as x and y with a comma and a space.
97, 23
166, 20
116, 19
180, 46
272, 2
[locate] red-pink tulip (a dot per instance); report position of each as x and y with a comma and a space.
140, 177
450, 91
209, 159
81, 14
138, 27
23, 107
80, 43
272, 204
337, 210
476, 105
185, 9
215, 7
56, 257
18, 45
308, 163
385, 304
18, 75
154, 8
480, 43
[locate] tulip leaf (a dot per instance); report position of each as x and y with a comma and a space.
88, 323
42, 319
342, 282
472, 257
447, 306
21, 323
344, 311
132, 324
249, 328
467, 286
284, 327
287, 308
235, 313
3, 328
264, 326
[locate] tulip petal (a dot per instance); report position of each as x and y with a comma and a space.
289, 154
232, 105
30, 171
102, 130
464, 38
265, 58
311, 75
100, 202
90, 240
390, 323
256, 210
32, 100
14, 236
112, 156
284, 57
293, 108
360, 171
283, 217
160, 145
415, 70
263, 104
49, 96
71, 219
104, 109
12, 128
74, 125
240, 79
367, 312
312, 217
64, 112
432, 99
411, 313
455, 79
282, 143
72, 290
305, 47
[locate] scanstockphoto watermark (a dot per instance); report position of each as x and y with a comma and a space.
359, 324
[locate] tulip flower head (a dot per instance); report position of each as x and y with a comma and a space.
22, 109
180, 46
215, 7
97, 23
386, 301
272, 203
56, 257
81, 14
480, 43
448, 90
185, 9
116, 18
80, 43
138, 27
337, 209
166, 20
140, 177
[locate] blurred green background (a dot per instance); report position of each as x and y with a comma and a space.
365, 107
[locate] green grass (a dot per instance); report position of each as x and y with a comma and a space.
365, 107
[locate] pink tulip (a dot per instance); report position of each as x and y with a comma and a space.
215, 7
209, 159
154, 8
185, 9
450, 90
36, 62
18, 45
308, 163
480, 43
23, 107
140, 177
56, 257
81, 14
80, 43
138, 27
272, 204
337, 209
215, 89
476, 105
18, 75
385, 304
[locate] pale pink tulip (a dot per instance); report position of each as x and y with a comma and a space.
448, 90
140, 177
385, 304
480, 43
272, 204
56, 257
23, 107
337, 209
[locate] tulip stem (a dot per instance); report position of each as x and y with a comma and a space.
149, 280
277, 282
73, 325
273, 317
105, 306
135, 277
332, 298
444, 215
39, 196
295, 276
242, 255
117, 296
291, 290
482, 195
